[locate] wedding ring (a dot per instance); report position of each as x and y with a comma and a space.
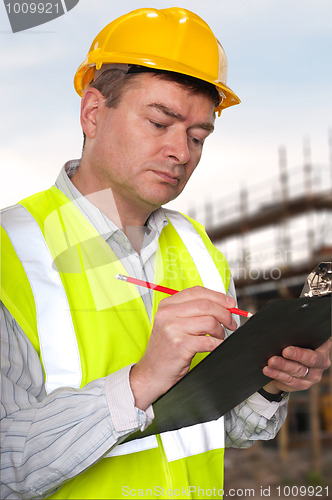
306, 374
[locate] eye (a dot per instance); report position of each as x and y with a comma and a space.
158, 125
197, 142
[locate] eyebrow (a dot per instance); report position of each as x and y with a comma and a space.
173, 114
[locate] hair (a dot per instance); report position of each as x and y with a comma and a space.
113, 83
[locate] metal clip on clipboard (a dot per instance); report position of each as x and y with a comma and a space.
319, 281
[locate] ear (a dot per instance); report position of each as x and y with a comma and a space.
91, 105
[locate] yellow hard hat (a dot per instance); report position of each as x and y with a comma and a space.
172, 39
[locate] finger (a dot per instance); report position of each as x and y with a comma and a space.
196, 326
206, 325
201, 293
293, 368
286, 381
318, 358
205, 343
191, 344
198, 308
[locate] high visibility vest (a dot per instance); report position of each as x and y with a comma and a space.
58, 283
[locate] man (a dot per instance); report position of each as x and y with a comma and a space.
85, 355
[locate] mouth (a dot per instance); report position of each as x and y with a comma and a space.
169, 179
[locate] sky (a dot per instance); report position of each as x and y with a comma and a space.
279, 64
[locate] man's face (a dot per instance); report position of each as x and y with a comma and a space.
147, 147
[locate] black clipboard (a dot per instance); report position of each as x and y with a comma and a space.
233, 371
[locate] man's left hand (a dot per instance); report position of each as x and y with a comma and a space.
297, 369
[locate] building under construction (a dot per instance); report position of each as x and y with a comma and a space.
273, 235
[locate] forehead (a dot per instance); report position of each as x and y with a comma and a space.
149, 88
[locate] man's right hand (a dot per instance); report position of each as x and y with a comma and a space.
185, 323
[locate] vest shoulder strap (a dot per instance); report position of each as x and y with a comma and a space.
211, 264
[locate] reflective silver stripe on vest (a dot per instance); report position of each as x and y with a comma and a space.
193, 440
178, 444
57, 339
146, 443
199, 253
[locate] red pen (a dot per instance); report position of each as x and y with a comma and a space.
170, 291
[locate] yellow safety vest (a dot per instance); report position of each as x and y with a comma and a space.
58, 273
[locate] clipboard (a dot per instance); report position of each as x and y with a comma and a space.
233, 371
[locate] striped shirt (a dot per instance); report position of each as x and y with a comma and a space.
48, 439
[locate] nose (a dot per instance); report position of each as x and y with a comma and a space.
177, 147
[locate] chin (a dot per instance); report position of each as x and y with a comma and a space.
162, 198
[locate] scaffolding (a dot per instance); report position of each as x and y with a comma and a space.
273, 234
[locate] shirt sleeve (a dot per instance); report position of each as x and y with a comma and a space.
48, 439
254, 419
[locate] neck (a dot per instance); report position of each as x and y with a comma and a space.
123, 215
122, 212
